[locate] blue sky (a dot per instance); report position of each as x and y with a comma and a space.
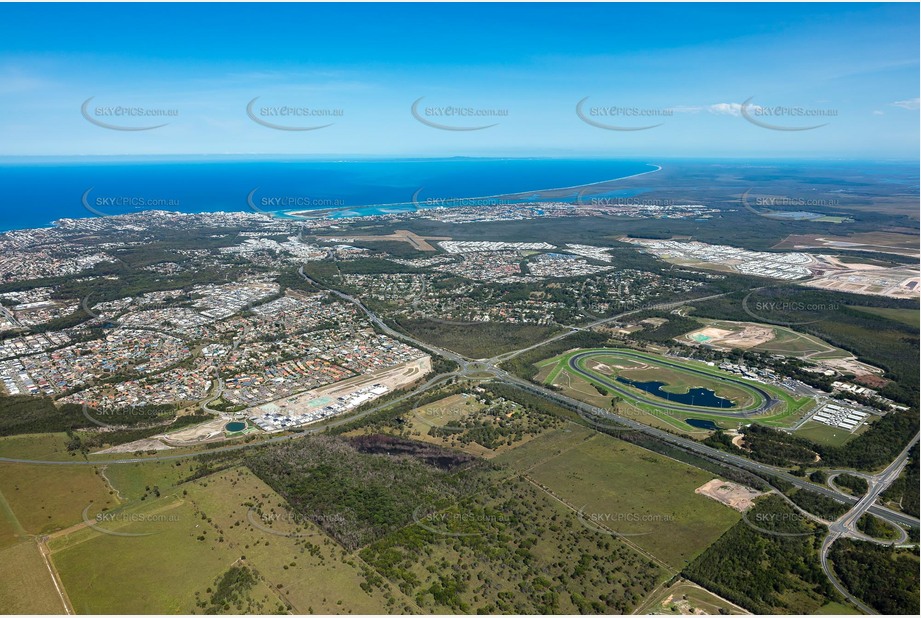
688, 68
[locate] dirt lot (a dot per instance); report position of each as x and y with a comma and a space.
733, 495
883, 242
749, 336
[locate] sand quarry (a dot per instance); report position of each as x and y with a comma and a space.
733, 495
749, 336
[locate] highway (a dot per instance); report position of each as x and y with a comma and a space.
846, 525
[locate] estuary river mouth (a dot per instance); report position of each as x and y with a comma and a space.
703, 397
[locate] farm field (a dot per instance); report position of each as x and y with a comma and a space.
28, 588
207, 526
51, 446
646, 497
139, 480
43, 502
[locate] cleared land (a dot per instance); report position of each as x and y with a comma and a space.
419, 243
731, 494
724, 334
687, 598
45, 500
882, 242
647, 498
825, 434
27, 588
204, 527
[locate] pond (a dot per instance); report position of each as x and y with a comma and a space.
702, 397
701, 424
234, 426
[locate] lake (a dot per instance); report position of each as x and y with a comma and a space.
702, 397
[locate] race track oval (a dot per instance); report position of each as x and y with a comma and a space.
767, 401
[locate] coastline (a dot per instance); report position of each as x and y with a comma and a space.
361, 210
306, 213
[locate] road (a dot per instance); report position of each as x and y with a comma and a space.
601, 322
467, 367
846, 525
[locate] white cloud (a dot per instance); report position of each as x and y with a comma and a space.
725, 109
877, 112
911, 104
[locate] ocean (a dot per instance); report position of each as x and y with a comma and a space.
34, 194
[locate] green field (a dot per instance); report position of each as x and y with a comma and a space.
46, 499
476, 340
196, 534
646, 497
910, 317
51, 446
821, 433
26, 586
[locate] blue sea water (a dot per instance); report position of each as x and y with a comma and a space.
36, 193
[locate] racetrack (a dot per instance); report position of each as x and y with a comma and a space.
764, 400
